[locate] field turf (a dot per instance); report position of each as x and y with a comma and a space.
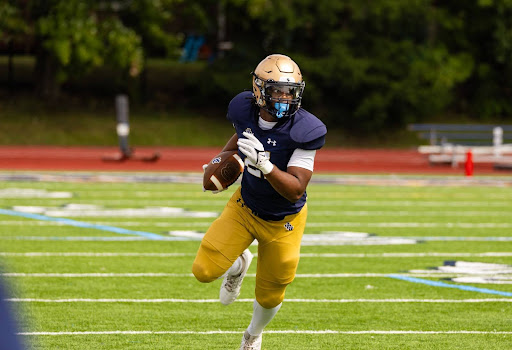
90, 288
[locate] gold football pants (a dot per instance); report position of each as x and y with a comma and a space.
278, 248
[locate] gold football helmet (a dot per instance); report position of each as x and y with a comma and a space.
277, 85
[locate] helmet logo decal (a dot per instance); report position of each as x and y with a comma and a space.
248, 130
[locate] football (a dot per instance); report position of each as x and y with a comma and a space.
222, 171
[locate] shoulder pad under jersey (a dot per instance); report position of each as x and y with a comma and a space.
240, 106
308, 130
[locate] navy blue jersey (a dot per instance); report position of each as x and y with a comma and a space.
8, 326
302, 130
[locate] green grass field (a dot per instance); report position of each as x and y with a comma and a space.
89, 288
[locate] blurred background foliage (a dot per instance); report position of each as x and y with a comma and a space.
369, 66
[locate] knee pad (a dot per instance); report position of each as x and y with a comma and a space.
207, 265
203, 273
269, 294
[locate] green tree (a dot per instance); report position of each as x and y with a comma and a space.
486, 32
74, 36
368, 65
12, 24
12, 29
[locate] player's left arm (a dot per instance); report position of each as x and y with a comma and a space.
292, 183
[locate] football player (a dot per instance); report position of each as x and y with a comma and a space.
8, 326
277, 140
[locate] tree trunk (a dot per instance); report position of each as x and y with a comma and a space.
47, 84
10, 67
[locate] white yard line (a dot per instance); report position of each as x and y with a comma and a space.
303, 255
98, 275
168, 224
373, 213
76, 238
205, 301
93, 254
424, 213
346, 194
184, 239
390, 332
411, 224
405, 255
313, 202
157, 274
205, 224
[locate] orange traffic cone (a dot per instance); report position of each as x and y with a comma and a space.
469, 166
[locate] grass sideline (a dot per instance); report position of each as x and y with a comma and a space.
27, 121
481, 212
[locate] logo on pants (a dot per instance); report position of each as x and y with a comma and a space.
288, 226
240, 202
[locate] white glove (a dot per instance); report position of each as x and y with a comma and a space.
254, 151
214, 192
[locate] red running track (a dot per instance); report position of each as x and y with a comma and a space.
361, 161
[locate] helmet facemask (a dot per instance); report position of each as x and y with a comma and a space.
280, 99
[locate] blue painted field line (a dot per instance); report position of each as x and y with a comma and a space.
81, 224
446, 285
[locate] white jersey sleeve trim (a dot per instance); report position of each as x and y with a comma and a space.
303, 158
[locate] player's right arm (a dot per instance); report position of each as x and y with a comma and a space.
231, 145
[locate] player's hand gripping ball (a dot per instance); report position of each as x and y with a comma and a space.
222, 171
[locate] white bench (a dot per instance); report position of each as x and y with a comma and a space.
449, 143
